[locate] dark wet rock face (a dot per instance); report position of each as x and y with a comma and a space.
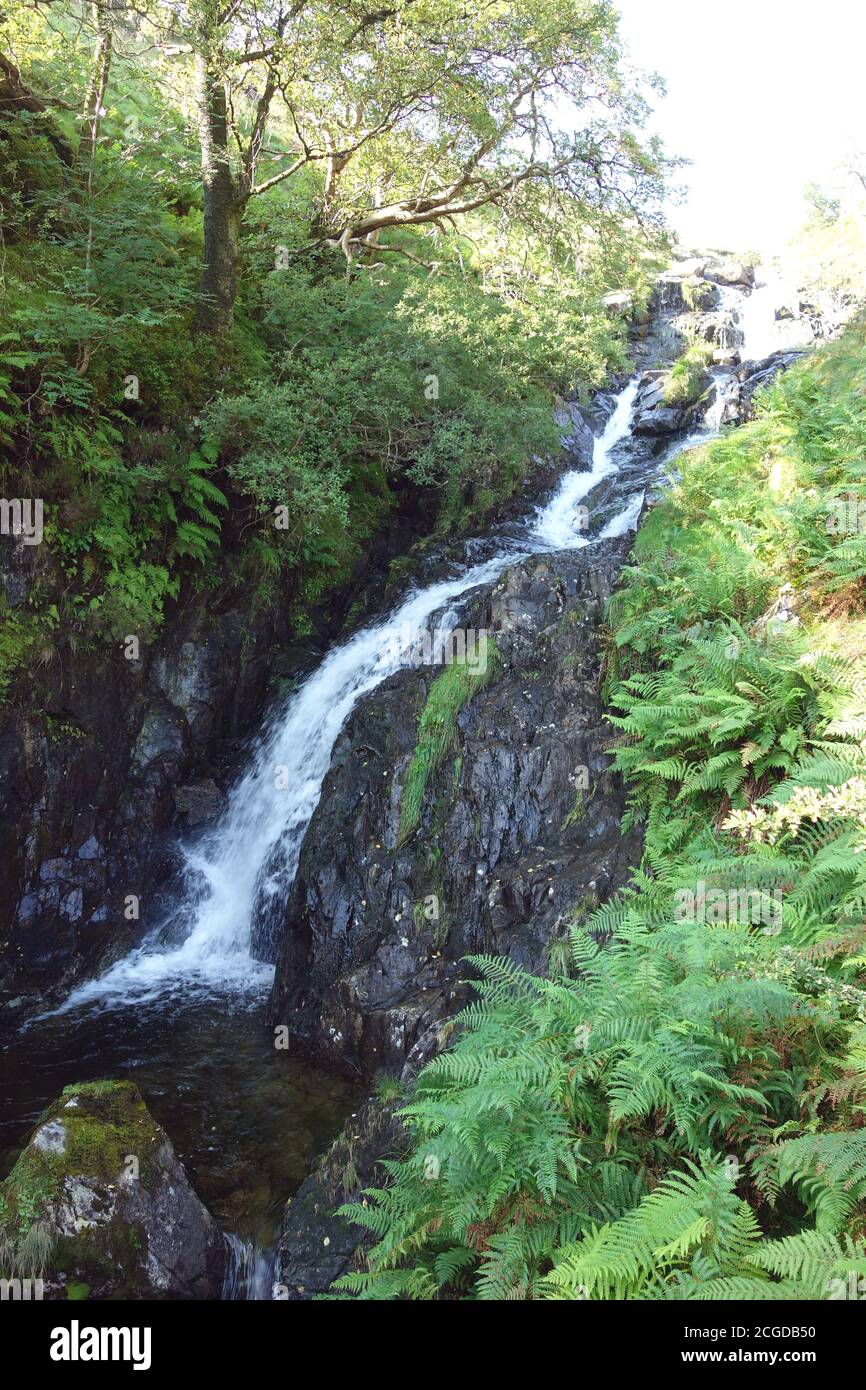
519, 827
199, 802
88, 772
682, 293
315, 1245
98, 1205
578, 439
751, 378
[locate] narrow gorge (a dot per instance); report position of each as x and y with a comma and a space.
310, 891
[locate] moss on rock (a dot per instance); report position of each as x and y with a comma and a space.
99, 1199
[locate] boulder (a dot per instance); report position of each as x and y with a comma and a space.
726, 357
653, 414
731, 273
619, 302
199, 802
98, 1205
695, 265
665, 419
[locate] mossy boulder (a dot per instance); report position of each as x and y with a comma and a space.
699, 294
99, 1201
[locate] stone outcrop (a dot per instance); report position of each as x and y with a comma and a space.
682, 294
751, 378
88, 772
730, 272
199, 802
99, 1206
104, 759
315, 1245
656, 413
577, 438
519, 828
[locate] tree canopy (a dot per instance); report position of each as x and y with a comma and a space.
411, 114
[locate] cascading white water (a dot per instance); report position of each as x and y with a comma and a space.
724, 382
254, 849
758, 321
559, 524
626, 520
249, 1276
763, 332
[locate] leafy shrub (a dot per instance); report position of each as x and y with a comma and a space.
688, 379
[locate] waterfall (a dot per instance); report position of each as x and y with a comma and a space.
626, 520
724, 383
558, 525
249, 1271
763, 333
249, 859
758, 318
731, 328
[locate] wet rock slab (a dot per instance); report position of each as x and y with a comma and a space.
519, 828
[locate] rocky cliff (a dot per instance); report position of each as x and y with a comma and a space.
457, 817
519, 827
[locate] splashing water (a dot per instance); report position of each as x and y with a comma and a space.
626, 520
249, 1271
558, 525
252, 854
763, 332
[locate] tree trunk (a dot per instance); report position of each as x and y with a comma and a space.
15, 97
93, 110
222, 207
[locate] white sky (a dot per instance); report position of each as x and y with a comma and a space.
763, 96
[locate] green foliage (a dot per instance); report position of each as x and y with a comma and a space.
827, 257
564, 1102
691, 1239
698, 293
422, 382
678, 1111
688, 379
729, 713
437, 727
389, 1090
18, 636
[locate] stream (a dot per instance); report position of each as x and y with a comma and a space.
183, 1015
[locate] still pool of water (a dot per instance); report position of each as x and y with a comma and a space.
245, 1118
